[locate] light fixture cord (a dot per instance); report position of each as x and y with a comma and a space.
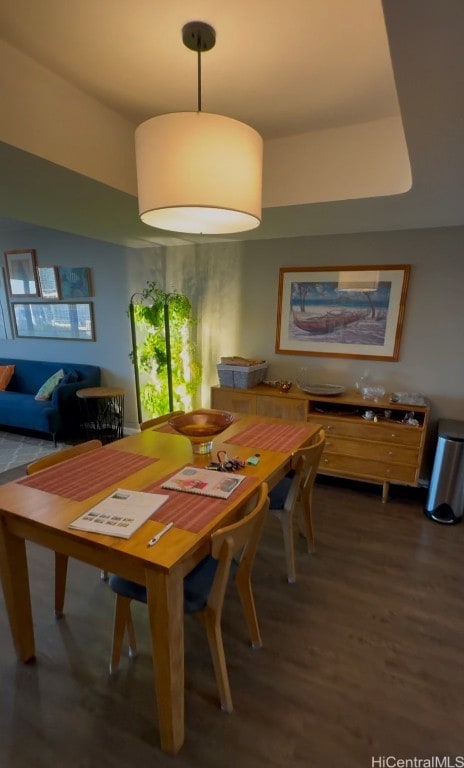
199, 80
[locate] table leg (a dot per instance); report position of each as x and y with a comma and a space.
165, 600
61, 569
15, 581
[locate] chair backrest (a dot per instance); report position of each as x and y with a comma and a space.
305, 463
158, 420
240, 538
67, 453
206, 584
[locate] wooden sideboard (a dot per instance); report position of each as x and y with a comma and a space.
384, 451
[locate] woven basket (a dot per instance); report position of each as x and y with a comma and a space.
241, 376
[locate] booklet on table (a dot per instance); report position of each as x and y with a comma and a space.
120, 514
205, 482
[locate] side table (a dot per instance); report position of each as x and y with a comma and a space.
102, 412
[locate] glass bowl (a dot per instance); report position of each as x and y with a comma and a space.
201, 427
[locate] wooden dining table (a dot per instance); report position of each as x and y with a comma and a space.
40, 508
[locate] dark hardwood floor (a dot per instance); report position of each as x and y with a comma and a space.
362, 657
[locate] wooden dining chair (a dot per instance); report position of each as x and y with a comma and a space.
233, 550
294, 493
61, 561
158, 420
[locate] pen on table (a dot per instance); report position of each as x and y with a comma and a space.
160, 534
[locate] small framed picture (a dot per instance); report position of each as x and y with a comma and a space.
48, 282
75, 282
21, 270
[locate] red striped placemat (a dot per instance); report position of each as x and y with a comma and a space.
91, 473
190, 511
272, 437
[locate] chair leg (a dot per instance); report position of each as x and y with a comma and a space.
61, 569
133, 653
216, 647
122, 619
307, 526
243, 582
286, 520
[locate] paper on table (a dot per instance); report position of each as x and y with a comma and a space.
120, 514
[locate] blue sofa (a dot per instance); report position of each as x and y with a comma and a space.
59, 415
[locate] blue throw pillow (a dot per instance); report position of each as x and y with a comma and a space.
70, 377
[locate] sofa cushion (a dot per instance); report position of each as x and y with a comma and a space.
6, 374
70, 377
46, 390
25, 412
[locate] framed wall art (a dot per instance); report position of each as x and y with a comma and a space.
48, 282
75, 282
6, 331
21, 270
342, 311
54, 320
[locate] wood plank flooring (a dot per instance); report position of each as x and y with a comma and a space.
362, 657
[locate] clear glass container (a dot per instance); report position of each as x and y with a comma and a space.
302, 379
373, 392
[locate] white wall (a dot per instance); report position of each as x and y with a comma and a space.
42, 113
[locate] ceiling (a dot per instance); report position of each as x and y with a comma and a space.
302, 72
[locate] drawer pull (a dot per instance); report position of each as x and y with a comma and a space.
329, 427
393, 434
390, 453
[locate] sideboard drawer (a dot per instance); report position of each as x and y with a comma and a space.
338, 464
385, 432
364, 449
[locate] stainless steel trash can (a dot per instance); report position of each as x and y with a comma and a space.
445, 502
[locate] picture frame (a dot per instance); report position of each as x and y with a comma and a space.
75, 282
49, 282
21, 270
70, 321
6, 330
342, 311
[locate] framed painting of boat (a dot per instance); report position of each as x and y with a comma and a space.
342, 311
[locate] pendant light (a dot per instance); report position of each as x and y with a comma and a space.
199, 172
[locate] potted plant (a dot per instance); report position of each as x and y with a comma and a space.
166, 353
